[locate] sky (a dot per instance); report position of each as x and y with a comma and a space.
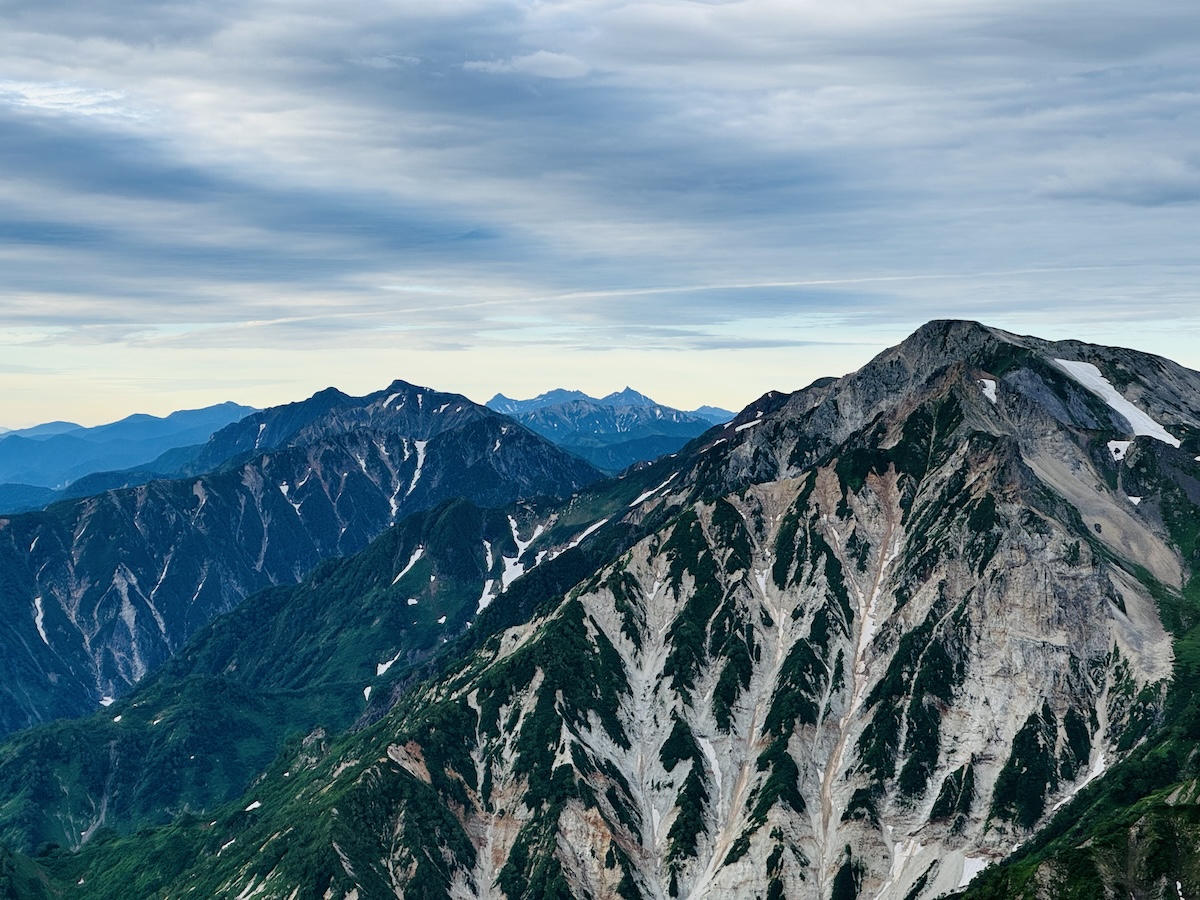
208, 201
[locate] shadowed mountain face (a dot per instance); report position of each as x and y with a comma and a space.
99, 591
860, 642
612, 432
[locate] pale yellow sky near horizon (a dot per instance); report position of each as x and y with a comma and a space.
704, 201
103, 386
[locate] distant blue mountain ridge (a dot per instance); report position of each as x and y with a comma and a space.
61, 460
37, 464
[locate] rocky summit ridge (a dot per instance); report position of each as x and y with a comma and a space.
865, 640
611, 432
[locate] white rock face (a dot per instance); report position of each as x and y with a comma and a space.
977, 626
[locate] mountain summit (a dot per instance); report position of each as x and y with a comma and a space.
865, 640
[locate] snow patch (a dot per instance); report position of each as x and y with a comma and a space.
1099, 765
1091, 378
283, 489
420, 465
972, 866
258, 437
902, 852
116, 718
1118, 449
487, 548
441, 620
367, 693
651, 493
589, 530
257, 804
989, 388
39, 616
388, 402
486, 598
412, 601
710, 754
108, 701
761, 578
381, 668
1135, 500
513, 569
200, 584
746, 425
523, 545
417, 554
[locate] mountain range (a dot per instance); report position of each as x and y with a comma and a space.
96, 592
929, 629
37, 464
611, 432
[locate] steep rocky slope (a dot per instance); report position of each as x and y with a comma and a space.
97, 592
863, 641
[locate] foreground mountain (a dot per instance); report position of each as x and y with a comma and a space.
97, 592
863, 641
51, 456
612, 432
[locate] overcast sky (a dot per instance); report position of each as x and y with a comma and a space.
211, 200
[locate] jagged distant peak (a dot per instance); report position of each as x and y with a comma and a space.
412, 410
627, 397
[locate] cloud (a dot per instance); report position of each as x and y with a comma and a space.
1147, 179
750, 174
543, 63
65, 97
392, 61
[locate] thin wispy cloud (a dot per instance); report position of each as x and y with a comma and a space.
542, 63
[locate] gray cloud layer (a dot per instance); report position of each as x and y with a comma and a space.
592, 173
